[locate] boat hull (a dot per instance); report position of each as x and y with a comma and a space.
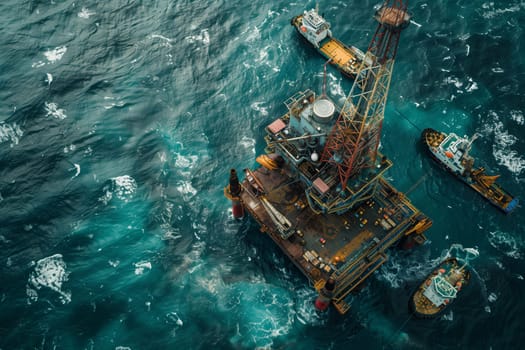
421, 306
496, 195
343, 57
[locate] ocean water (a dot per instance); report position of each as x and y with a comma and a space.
120, 120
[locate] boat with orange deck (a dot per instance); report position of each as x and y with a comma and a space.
316, 30
452, 152
440, 289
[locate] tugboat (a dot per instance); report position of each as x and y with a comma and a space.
316, 30
439, 289
452, 152
442, 286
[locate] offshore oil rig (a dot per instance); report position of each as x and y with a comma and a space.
320, 192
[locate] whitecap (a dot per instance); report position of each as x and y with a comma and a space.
38, 64
114, 263
77, 170
517, 116
10, 133
453, 80
186, 162
69, 148
493, 297
254, 34
141, 266
503, 140
510, 159
471, 86
55, 112
248, 143
174, 317
85, 13
117, 103
203, 37
257, 106
49, 78
49, 272
123, 187
186, 188
55, 54
494, 12
263, 54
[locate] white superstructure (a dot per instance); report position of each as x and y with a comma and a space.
314, 27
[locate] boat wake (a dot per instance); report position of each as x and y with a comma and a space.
507, 244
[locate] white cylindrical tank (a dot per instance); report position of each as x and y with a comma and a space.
323, 110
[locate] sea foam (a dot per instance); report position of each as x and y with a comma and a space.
55, 54
503, 141
122, 187
10, 133
49, 272
52, 110
85, 13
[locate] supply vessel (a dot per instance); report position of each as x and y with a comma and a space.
452, 153
316, 30
320, 193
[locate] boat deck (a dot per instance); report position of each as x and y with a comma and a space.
477, 179
346, 58
346, 247
340, 54
421, 305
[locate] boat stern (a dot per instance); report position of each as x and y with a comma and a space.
511, 206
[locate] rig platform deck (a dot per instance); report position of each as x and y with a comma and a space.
346, 247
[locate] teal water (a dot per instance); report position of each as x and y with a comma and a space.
119, 123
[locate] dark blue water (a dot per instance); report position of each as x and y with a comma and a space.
120, 120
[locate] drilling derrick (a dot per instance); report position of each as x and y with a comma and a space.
319, 192
351, 149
